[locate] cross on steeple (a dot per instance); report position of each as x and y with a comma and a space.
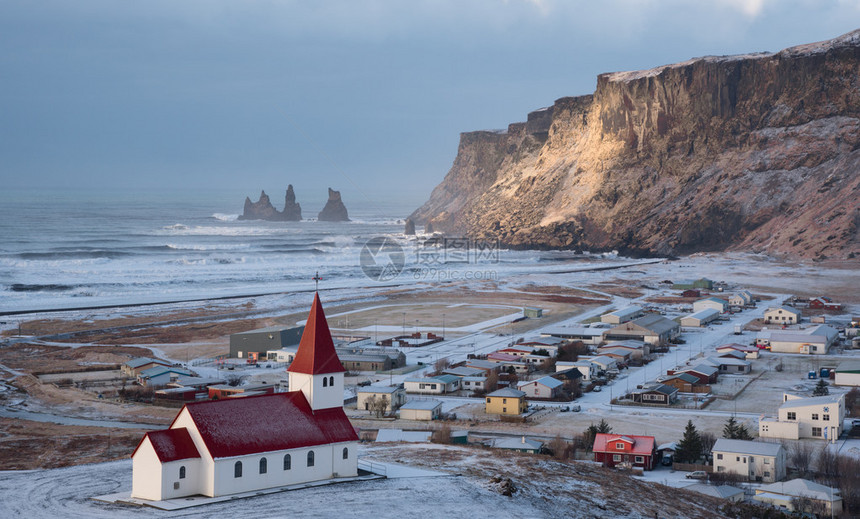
317, 280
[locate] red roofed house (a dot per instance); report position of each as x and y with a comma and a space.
615, 449
244, 444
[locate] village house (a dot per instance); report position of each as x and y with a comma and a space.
395, 396
727, 492
507, 401
686, 284
235, 445
824, 303
786, 495
686, 383
576, 333
255, 344
847, 373
715, 303
588, 369
134, 367
544, 387
219, 391
484, 365
602, 362
550, 344
700, 318
706, 373
818, 417
285, 354
622, 356
160, 376
729, 365
637, 349
782, 315
421, 410
517, 351
815, 340
507, 361
757, 461
653, 329
474, 384
627, 450
463, 371
623, 315
655, 394
439, 385
742, 298
750, 352
523, 444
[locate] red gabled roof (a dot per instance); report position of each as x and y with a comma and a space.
256, 424
316, 352
170, 444
642, 445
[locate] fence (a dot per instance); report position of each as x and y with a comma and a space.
376, 468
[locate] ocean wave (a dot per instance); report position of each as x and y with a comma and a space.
206, 261
208, 230
197, 247
73, 254
225, 217
22, 287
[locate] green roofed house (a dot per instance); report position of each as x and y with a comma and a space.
848, 373
686, 284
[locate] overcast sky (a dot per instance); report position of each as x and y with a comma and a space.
357, 95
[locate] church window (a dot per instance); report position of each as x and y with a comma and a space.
345, 453
288, 462
325, 382
310, 458
264, 465
237, 470
331, 381
182, 472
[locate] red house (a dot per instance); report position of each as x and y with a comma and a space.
634, 451
824, 303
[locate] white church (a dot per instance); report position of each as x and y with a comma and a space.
237, 445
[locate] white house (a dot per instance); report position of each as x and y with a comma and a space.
285, 354
544, 387
602, 362
432, 385
623, 315
476, 383
782, 315
394, 395
588, 369
575, 333
758, 461
234, 445
816, 417
742, 298
785, 494
815, 340
729, 364
720, 305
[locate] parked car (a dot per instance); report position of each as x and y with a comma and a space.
855, 422
597, 389
697, 474
575, 408
666, 461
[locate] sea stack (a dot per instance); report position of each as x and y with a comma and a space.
428, 228
292, 211
334, 210
259, 210
410, 227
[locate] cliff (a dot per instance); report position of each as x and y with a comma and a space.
334, 210
264, 210
757, 152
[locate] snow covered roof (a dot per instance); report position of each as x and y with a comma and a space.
704, 313
143, 361
544, 381
378, 389
686, 377
801, 487
737, 347
237, 427
316, 352
719, 491
640, 444
747, 447
507, 392
815, 400
160, 370
170, 444
425, 405
704, 369
517, 444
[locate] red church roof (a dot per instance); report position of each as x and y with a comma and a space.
641, 445
316, 353
256, 424
171, 444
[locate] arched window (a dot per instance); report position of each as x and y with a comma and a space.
237, 470
331, 381
264, 465
325, 382
310, 458
288, 462
182, 472
345, 453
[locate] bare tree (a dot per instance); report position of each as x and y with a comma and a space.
560, 448
441, 364
442, 434
492, 382
708, 440
378, 406
805, 504
800, 457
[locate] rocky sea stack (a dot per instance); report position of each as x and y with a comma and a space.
759, 152
264, 210
334, 210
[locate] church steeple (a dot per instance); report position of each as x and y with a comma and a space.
316, 371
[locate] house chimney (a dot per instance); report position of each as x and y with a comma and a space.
524, 439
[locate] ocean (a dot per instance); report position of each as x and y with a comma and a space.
65, 250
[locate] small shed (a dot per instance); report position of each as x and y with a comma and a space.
532, 312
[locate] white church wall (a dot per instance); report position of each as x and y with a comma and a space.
348, 467
322, 396
275, 476
146, 473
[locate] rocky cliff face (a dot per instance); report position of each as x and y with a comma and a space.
334, 210
264, 210
757, 152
